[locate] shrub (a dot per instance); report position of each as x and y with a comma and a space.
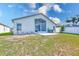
6, 33
62, 29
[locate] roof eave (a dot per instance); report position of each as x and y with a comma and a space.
34, 15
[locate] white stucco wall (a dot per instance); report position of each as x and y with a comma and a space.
4, 29
28, 24
74, 30
58, 29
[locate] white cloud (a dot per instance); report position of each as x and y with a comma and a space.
55, 20
43, 10
34, 11
46, 7
10, 6
30, 12
51, 18
57, 8
25, 10
33, 5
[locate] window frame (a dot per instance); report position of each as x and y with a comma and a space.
19, 26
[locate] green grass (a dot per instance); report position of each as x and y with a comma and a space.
6, 33
61, 44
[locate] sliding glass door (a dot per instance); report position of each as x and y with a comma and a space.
40, 25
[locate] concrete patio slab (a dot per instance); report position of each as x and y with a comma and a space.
48, 33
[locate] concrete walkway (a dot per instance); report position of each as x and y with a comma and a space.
48, 33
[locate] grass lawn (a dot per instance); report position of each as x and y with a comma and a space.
61, 44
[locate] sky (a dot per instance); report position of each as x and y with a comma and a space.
61, 11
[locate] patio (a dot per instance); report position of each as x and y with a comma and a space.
48, 33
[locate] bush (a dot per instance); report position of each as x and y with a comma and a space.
6, 33
62, 29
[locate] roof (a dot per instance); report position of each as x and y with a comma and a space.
34, 15
4, 25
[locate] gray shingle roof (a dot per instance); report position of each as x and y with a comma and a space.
34, 15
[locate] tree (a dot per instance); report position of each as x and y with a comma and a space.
77, 19
68, 21
62, 28
74, 20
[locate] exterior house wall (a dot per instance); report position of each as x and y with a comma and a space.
28, 24
58, 29
74, 30
7, 29
4, 29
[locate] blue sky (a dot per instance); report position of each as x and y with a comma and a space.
62, 11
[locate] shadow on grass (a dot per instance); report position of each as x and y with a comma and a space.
69, 33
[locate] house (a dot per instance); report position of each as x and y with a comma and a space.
37, 23
74, 29
4, 28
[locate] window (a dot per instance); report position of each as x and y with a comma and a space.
40, 25
19, 26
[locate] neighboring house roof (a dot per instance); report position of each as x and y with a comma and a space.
4, 25
34, 15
